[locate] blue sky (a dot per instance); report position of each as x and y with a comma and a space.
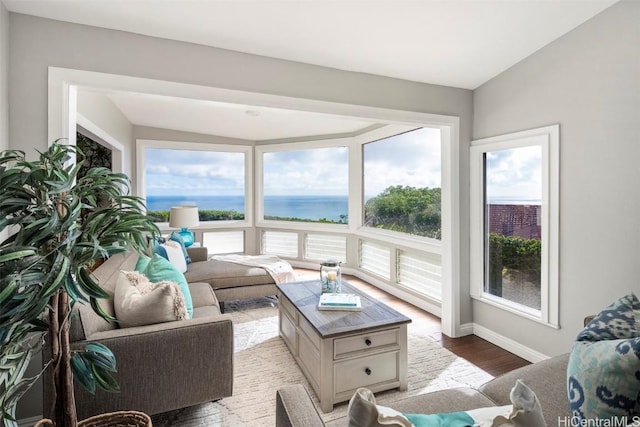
194, 173
411, 158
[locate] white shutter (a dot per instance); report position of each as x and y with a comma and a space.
376, 259
280, 243
422, 273
323, 246
223, 242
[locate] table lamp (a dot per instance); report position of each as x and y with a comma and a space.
184, 217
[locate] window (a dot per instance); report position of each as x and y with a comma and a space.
213, 180
306, 185
402, 182
514, 222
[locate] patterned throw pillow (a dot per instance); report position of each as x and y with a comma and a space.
603, 375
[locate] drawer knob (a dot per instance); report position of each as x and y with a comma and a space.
367, 371
367, 341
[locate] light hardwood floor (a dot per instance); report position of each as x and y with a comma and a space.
488, 357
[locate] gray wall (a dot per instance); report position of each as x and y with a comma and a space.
38, 43
589, 82
99, 109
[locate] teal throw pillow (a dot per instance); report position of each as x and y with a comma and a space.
603, 375
176, 237
142, 263
452, 419
159, 269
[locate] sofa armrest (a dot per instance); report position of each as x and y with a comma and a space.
294, 408
198, 254
165, 366
202, 295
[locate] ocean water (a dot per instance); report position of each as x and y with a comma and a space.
304, 207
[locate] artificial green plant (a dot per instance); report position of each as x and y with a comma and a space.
54, 225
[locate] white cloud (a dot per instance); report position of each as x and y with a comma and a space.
412, 158
515, 174
190, 172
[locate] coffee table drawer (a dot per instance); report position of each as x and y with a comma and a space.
346, 346
366, 371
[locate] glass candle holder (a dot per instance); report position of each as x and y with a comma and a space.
331, 276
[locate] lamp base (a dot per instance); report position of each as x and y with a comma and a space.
187, 236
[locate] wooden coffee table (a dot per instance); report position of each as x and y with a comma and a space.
339, 351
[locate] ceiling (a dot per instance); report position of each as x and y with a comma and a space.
458, 43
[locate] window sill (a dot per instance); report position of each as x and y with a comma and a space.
515, 308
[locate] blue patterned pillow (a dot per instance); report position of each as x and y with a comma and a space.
603, 375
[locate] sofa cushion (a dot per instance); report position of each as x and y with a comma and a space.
603, 375
159, 269
137, 301
545, 378
221, 274
85, 322
524, 411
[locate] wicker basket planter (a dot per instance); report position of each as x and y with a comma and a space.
111, 419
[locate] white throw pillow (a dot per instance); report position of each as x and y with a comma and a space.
176, 257
139, 302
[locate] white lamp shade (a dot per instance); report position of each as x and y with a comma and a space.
183, 217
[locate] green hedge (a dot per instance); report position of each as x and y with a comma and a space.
217, 215
205, 215
516, 254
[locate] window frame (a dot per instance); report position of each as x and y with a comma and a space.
261, 150
548, 138
247, 150
386, 132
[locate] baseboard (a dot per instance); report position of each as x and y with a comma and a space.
409, 297
465, 329
29, 422
509, 344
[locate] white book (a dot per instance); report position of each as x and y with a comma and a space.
349, 302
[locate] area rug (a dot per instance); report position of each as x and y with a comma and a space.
263, 363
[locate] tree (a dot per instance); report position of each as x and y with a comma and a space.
406, 209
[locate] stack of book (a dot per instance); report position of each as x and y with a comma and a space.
348, 302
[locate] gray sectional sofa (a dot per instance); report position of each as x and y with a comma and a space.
166, 366
230, 281
548, 379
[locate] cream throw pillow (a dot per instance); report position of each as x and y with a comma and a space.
137, 301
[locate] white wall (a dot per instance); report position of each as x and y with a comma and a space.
106, 123
38, 43
589, 82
